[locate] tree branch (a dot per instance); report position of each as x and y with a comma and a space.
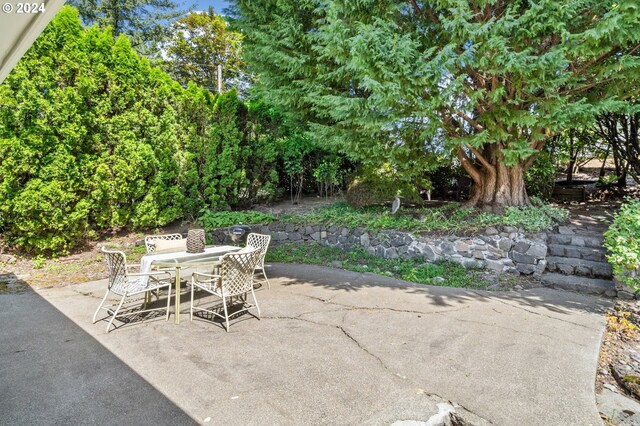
468, 166
529, 161
480, 158
470, 120
421, 12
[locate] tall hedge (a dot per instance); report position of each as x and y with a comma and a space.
93, 138
88, 138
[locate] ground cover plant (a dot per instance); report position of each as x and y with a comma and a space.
623, 243
445, 273
448, 217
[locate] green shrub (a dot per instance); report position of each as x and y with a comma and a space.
534, 218
88, 134
541, 176
93, 138
221, 219
361, 193
623, 242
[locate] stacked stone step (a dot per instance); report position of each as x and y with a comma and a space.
578, 255
577, 262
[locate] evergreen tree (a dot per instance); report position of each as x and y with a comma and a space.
88, 139
383, 80
200, 42
145, 22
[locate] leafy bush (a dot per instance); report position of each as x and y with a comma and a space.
93, 138
226, 153
88, 134
222, 219
534, 218
623, 242
362, 193
541, 176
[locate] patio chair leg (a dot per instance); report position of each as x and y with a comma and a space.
266, 279
191, 308
115, 313
168, 302
100, 306
261, 271
255, 301
226, 315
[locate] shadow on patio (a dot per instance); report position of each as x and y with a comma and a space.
53, 372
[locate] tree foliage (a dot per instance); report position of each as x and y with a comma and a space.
623, 244
144, 22
390, 82
87, 139
93, 138
200, 42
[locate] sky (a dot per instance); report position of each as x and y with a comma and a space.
218, 5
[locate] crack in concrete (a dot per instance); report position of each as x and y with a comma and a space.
297, 318
517, 331
365, 350
376, 308
345, 333
320, 312
538, 313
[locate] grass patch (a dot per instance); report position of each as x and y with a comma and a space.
221, 219
446, 273
141, 249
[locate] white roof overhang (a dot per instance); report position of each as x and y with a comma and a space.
18, 31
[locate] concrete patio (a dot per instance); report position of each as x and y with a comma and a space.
339, 347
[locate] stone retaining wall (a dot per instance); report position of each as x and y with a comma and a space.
503, 249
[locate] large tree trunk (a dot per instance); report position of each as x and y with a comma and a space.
498, 188
495, 185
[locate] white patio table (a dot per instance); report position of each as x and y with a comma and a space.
182, 259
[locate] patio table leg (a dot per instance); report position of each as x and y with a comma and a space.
177, 298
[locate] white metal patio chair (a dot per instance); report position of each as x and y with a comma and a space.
234, 278
261, 242
127, 285
150, 240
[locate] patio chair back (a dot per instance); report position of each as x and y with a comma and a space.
261, 242
149, 240
117, 266
236, 272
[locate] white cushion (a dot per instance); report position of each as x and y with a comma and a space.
171, 245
